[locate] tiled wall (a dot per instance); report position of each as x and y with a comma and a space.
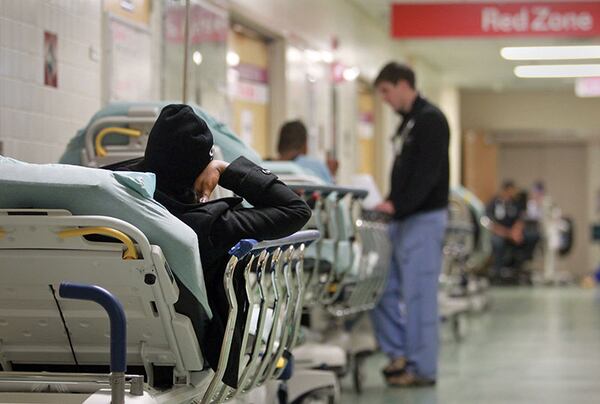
37, 121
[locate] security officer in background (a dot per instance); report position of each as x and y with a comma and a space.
506, 212
406, 318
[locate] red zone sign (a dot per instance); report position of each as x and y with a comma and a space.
434, 20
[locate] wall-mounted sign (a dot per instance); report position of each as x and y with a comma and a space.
251, 92
366, 125
566, 18
137, 11
205, 25
50, 61
248, 83
246, 126
250, 72
129, 61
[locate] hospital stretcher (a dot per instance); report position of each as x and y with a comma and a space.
41, 248
110, 233
349, 265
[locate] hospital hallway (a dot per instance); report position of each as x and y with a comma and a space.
539, 345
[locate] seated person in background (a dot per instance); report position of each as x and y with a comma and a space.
179, 152
507, 224
293, 146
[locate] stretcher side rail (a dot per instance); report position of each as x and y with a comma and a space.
325, 190
354, 286
273, 273
35, 257
90, 154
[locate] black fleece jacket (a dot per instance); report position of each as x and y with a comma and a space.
421, 170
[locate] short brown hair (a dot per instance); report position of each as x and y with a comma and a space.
292, 137
394, 72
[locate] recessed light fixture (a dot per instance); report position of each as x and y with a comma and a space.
294, 54
351, 73
197, 57
557, 71
550, 52
233, 59
326, 56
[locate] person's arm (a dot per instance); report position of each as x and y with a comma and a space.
278, 211
495, 227
516, 231
431, 133
500, 230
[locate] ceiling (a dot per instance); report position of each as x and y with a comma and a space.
471, 63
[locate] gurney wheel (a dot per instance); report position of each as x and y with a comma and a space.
358, 372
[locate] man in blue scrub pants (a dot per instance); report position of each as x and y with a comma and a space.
406, 319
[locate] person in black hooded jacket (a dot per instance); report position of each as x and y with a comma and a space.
180, 153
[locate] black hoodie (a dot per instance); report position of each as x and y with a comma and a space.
277, 212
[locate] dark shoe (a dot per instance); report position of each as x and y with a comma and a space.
408, 379
395, 367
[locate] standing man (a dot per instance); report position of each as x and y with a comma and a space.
406, 318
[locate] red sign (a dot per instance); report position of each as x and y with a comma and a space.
567, 18
254, 73
205, 25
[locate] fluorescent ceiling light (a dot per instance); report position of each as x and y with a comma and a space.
557, 71
550, 52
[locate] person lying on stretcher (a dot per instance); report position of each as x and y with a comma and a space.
180, 153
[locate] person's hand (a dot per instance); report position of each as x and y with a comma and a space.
516, 235
386, 207
332, 165
208, 179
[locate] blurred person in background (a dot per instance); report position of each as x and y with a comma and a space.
506, 212
293, 146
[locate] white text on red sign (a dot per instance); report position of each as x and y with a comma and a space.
537, 19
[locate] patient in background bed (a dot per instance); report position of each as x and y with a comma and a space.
293, 146
180, 153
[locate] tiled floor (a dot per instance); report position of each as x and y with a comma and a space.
538, 345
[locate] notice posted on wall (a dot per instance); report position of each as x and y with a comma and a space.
129, 61
50, 59
246, 126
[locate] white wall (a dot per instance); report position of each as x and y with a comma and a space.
36, 121
545, 110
